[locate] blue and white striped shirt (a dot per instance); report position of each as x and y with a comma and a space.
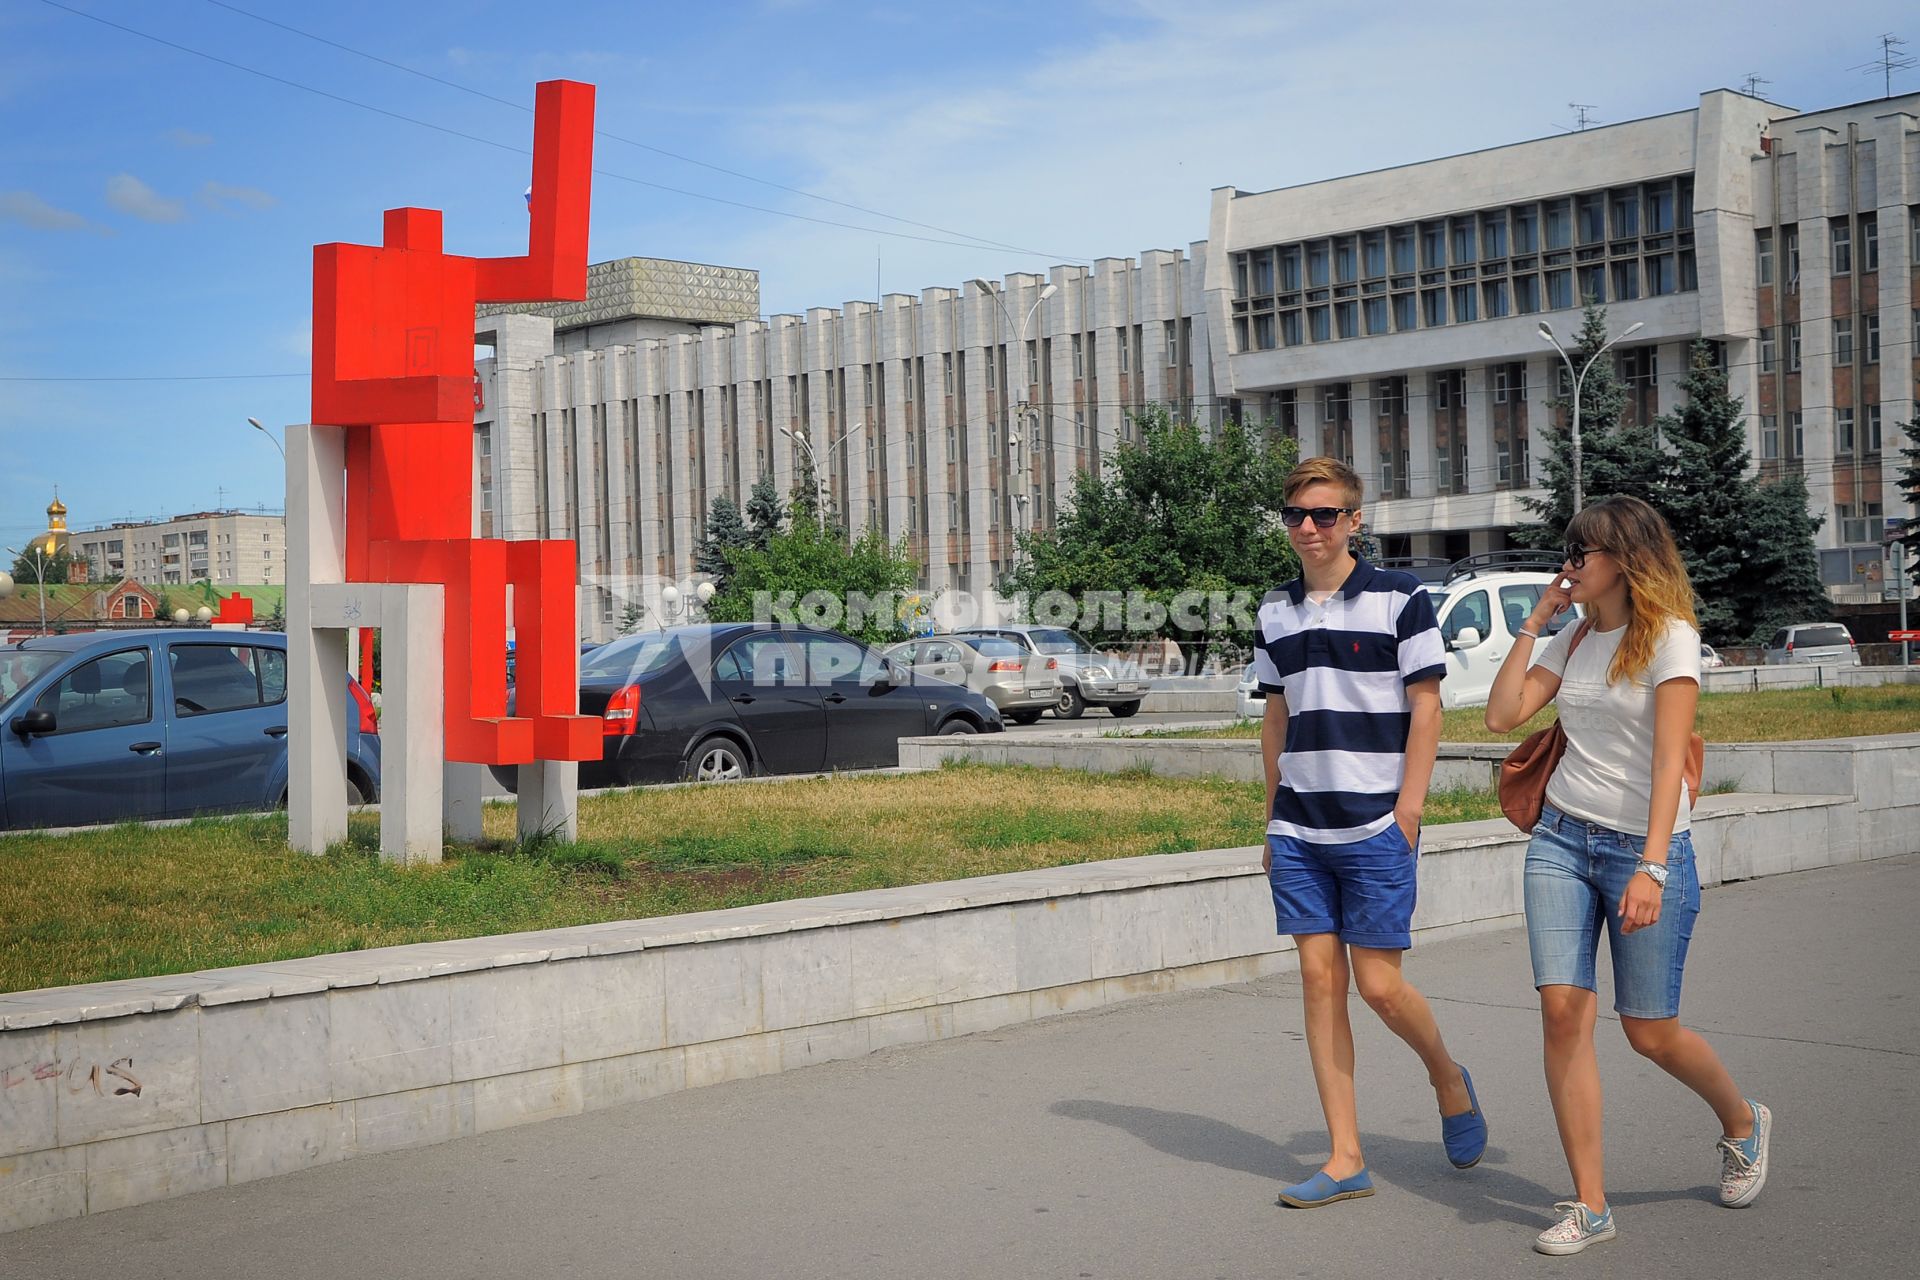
1344, 668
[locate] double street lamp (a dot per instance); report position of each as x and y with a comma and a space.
820, 477
1025, 412
673, 602
1579, 378
39, 556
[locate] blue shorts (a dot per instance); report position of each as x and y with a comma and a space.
1362, 891
1576, 874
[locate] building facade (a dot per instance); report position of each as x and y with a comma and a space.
950, 420
225, 548
1393, 318
1389, 318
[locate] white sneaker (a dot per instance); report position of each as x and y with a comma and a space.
1743, 1162
1574, 1232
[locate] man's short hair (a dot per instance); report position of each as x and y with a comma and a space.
1325, 471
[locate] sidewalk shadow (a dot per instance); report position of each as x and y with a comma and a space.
1485, 1193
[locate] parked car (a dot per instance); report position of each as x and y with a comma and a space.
1087, 677
1248, 702
1480, 610
117, 726
1022, 684
1813, 642
722, 701
1710, 658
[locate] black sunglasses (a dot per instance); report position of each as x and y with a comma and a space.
1323, 517
1577, 554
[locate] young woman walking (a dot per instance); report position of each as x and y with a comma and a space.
1613, 850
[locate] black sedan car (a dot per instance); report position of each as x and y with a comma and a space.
724, 701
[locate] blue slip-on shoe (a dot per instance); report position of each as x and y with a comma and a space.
1465, 1135
1324, 1188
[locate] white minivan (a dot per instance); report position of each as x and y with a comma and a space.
1481, 606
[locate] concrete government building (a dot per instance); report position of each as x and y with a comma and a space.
1388, 318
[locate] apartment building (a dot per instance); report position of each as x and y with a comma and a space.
226, 548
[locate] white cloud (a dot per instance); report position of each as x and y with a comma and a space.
187, 138
29, 210
218, 195
135, 198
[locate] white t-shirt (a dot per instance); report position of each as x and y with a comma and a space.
1606, 776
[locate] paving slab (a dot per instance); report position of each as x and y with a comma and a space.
1148, 1140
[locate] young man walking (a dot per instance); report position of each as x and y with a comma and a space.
1350, 659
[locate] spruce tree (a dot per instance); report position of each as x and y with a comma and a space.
765, 512
1909, 474
726, 534
1784, 572
1707, 497
1614, 459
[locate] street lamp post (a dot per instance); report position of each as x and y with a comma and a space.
259, 426
1579, 379
820, 475
671, 600
39, 572
1025, 412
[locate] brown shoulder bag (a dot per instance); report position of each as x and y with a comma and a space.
1525, 771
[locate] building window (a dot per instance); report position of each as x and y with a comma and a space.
1120, 341
906, 381
1079, 428
1173, 345
1376, 309
1318, 324
1797, 431
1559, 215
1790, 241
1262, 332
1869, 242
1660, 275
1793, 348
1591, 211
1626, 214
1464, 306
1769, 436
1406, 317
947, 370
1079, 357
1842, 247
1593, 285
1559, 290
1403, 254
1769, 349
992, 355
1873, 428
1347, 319
1493, 297
1626, 281
951, 455
1526, 294
1526, 229
1763, 245
1843, 431
1843, 341
1373, 254
1872, 337
1291, 331
1433, 308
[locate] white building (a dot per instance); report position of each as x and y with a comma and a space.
1392, 317
226, 548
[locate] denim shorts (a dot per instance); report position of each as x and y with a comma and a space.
1362, 891
1575, 877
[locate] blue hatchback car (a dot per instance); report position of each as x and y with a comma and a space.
120, 726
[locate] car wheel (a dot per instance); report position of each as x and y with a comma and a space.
1124, 709
718, 760
1069, 705
354, 795
957, 725
1025, 717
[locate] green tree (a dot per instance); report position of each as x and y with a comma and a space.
726, 534
1614, 458
1708, 497
1909, 481
765, 512
1785, 572
809, 560
630, 617
1179, 511
26, 569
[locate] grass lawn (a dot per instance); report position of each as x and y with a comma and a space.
138, 901
1785, 715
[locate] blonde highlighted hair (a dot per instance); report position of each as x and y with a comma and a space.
1658, 589
1324, 471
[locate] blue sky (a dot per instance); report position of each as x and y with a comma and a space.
157, 209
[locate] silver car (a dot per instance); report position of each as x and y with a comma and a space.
1020, 683
1087, 677
1826, 643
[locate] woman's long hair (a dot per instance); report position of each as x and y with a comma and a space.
1658, 589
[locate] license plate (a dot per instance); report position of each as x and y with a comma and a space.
1127, 688
1040, 692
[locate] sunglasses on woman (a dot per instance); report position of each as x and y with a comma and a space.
1323, 517
1576, 554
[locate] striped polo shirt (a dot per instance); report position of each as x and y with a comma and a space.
1344, 667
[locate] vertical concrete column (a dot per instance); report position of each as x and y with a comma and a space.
550, 799
1482, 467
316, 655
1543, 380
1422, 481
1366, 438
461, 786
413, 738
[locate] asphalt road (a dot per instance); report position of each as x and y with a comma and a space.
1148, 1140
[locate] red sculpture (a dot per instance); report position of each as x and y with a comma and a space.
393, 333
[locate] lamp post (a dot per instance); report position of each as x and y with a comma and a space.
259, 426
671, 600
1579, 380
820, 484
1025, 412
39, 572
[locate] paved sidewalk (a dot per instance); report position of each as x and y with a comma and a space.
1148, 1140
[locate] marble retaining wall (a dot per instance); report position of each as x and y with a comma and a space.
121, 1093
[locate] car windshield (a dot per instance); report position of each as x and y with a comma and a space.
997, 647
1054, 640
1804, 637
630, 658
22, 667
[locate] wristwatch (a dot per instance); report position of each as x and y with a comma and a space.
1657, 870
